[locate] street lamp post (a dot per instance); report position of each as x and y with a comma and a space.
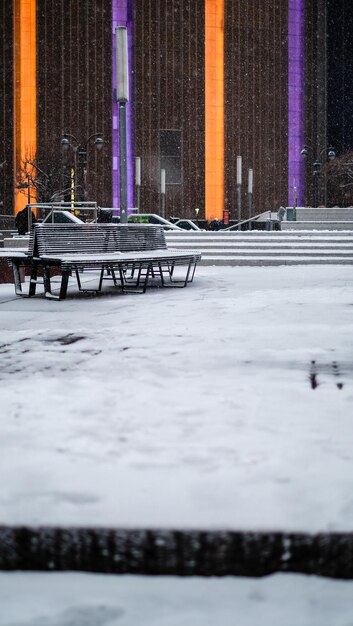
330, 155
122, 96
138, 181
239, 172
163, 193
250, 192
80, 157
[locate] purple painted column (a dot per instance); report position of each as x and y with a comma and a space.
296, 139
122, 16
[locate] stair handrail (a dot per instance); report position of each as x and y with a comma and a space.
250, 219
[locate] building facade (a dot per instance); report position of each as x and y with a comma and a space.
209, 80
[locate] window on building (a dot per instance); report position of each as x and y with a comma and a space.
170, 155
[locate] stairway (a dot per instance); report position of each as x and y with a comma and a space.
321, 218
267, 248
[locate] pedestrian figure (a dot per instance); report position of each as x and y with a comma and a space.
21, 221
215, 224
104, 216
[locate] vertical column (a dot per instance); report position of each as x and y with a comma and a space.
322, 95
214, 107
122, 16
25, 123
296, 137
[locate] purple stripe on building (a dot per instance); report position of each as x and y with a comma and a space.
122, 16
296, 137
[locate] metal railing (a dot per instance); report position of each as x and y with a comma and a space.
44, 208
255, 218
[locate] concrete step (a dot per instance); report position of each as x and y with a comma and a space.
320, 218
253, 245
280, 253
16, 242
6, 234
254, 235
316, 225
274, 261
267, 248
319, 214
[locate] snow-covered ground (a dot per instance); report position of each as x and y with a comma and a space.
194, 408
224, 405
96, 600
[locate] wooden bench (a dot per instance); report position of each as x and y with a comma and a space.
129, 255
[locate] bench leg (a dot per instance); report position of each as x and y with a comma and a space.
121, 277
148, 273
16, 269
17, 278
46, 281
141, 282
182, 282
33, 279
110, 271
78, 278
47, 284
101, 277
160, 270
191, 278
132, 280
64, 284
79, 284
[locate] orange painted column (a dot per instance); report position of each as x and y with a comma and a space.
25, 135
214, 108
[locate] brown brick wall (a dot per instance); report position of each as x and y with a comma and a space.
315, 92
256, 93
6, 108
74, 74
169, 94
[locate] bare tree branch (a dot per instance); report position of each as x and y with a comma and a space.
46, 176
339, 174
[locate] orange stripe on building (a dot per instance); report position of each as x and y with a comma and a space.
214, 108
25, 139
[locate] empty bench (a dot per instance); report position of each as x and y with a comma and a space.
130, 255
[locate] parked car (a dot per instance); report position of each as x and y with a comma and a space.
188, 225
149, 218
61, 217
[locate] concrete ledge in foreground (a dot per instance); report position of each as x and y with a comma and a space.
173, 552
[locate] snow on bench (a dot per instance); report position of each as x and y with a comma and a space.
129, 255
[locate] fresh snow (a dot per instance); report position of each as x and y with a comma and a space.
63, 599
182, 408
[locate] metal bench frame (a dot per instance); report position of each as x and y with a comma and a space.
130, 256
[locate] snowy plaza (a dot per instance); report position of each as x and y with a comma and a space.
226, 405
